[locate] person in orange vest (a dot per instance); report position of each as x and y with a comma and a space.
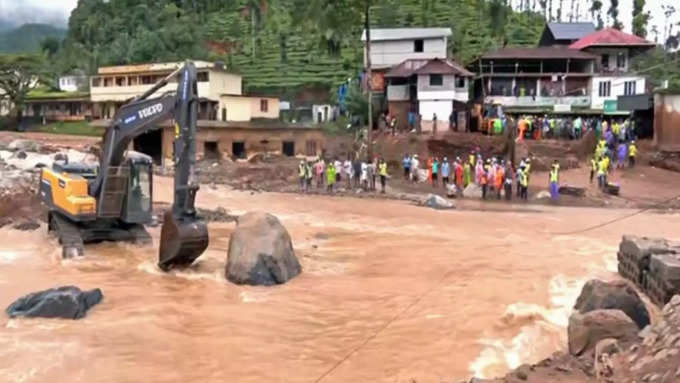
429, 169
499, 180
459, 174
522, 128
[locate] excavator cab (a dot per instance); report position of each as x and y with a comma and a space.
137, 206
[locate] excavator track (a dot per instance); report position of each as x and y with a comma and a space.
68, 235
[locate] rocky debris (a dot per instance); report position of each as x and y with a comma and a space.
436, 202
666, 160
659, 281
543, 194
261, 252
67, 302
572, 190
24, 145
586, 330
472, 191
217, 215
28, 225
612, 188
615, 295
451, 191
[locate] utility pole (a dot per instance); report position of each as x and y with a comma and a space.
369, 131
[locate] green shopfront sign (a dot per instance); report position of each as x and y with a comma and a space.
610, 106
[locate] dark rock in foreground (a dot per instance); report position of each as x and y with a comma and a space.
261, 252
67, 302
616, 295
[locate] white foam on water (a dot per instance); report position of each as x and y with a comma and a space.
191, 274
7, 257
544, 330
253, 296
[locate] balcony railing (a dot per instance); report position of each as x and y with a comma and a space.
528, 101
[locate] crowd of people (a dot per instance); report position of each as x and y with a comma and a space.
332, 173
613, 147
571, 128
494, 176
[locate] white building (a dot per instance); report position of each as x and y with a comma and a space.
613, 77
390, 47
427, 87
113, 86
72, 83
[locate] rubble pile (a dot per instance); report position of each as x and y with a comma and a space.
606, 343
652, 264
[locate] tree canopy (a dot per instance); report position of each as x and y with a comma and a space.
19, 74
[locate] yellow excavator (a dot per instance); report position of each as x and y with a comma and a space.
113, 201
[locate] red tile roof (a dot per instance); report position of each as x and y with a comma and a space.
610, 37
424, 66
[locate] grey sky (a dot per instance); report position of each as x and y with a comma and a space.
57, 11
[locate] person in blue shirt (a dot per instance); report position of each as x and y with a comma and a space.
435, 171
407, 166
446, 171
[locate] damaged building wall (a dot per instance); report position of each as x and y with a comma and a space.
242, 142
667, 122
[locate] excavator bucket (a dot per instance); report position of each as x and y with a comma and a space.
182, 241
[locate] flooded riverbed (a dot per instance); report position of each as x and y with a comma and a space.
389, 293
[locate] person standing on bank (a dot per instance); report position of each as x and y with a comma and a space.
382, 169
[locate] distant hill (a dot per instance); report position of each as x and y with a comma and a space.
27, 37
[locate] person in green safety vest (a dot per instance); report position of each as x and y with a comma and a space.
602, 172
632, 153
593, 167
554, 181
382, 170
523, 181
330, 176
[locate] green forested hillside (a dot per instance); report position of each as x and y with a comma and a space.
278, 45
27, 38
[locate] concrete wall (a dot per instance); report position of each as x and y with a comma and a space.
390, 53
238, 108
273, 107
667, 122
613, 53
253, 138
443, 110
617, 88
223, 83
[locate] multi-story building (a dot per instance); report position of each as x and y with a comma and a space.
613, 78
412, 71
115, 85
585, 76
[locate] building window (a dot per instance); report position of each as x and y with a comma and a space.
108, 81
621, 60
96, 82
264, 105
436, 80
202, 77
418, 45
121, 81
224, 114
605, 61
605, 88
629, 88
133, 80
460, 82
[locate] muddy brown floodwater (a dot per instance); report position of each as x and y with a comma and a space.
390, 293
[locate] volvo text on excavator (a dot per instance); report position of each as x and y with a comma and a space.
113, 201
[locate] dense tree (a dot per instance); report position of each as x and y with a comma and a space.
19, 74
613, 12
640, 18
596, 10
50, 46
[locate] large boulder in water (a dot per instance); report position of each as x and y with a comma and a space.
67, 302
261, 252
616, 295
586, 330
